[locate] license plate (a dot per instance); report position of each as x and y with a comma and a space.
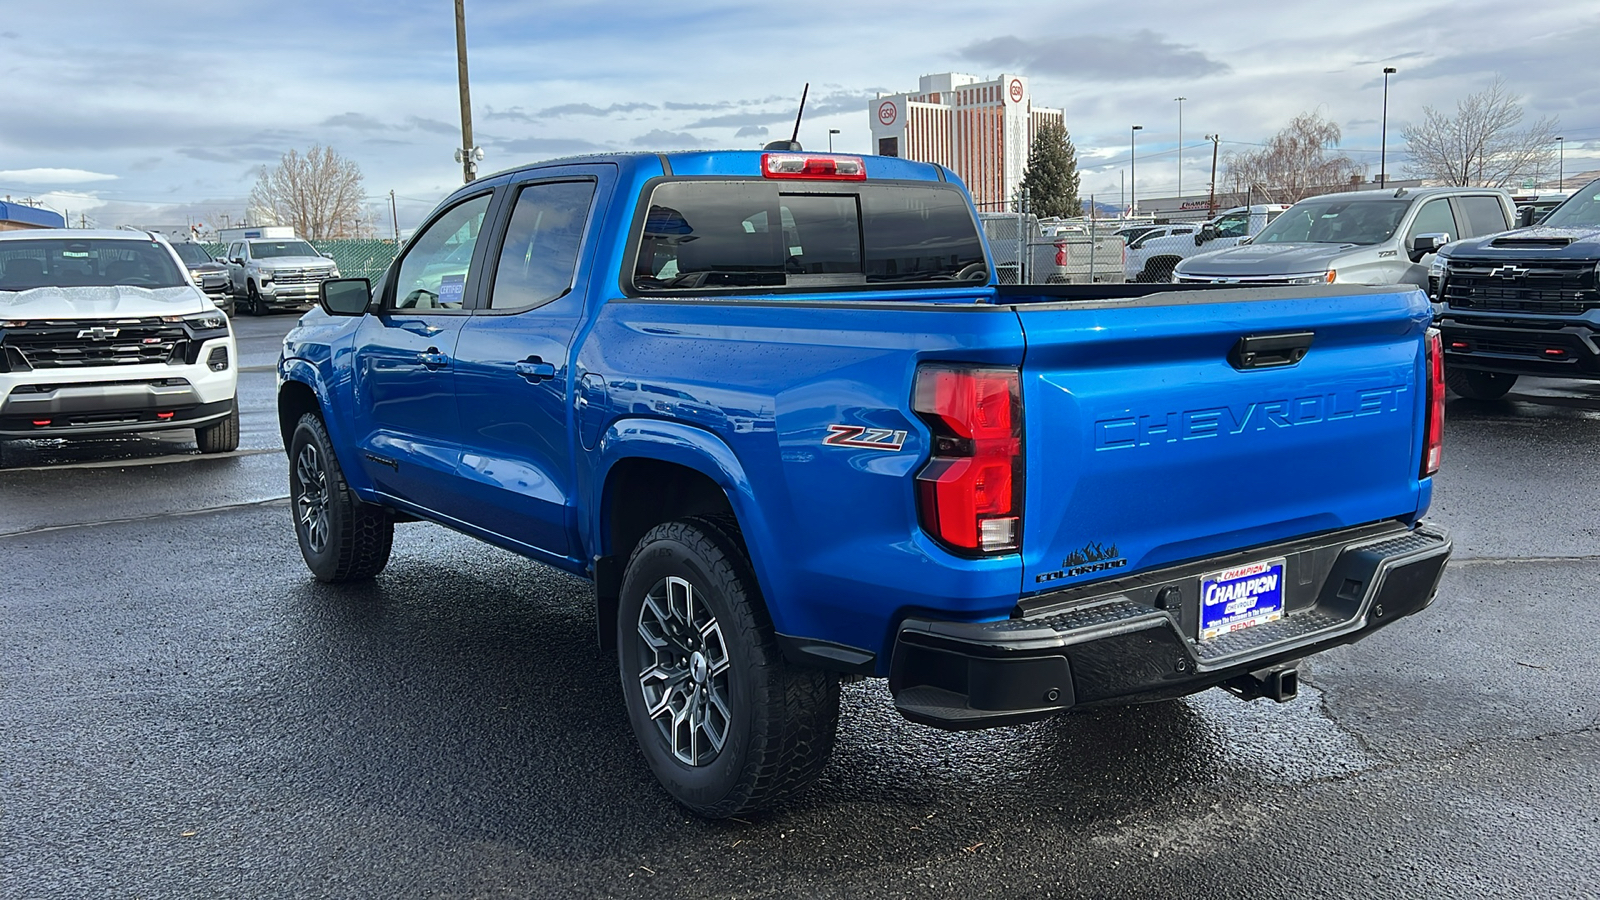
1240, 597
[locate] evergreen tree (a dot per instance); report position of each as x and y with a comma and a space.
1052, 175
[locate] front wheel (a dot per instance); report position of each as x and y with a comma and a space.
1476, 385
341, 538
220, 437
725, 723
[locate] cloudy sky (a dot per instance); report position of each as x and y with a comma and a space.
156, 112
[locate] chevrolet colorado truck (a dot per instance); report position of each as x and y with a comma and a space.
776, 408
1523, 302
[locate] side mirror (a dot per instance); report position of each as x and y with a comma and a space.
345, 296
237, 260
1525, 216
1423, 244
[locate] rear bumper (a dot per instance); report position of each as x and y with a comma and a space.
1135, 639
1520, 347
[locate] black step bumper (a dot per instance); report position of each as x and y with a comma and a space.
1134, 639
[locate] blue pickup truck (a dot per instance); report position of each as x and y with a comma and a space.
776, 408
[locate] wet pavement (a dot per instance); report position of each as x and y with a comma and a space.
185, 713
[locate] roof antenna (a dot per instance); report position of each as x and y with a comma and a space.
792, 145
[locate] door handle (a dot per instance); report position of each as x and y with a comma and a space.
433, 359
1270, 351
534, 370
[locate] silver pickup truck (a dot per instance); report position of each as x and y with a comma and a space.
1360, 237
1062, 256
281, 273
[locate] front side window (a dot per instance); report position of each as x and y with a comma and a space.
540, 253
67, 262
1434, 218
1233, 226
728, 234
433, 274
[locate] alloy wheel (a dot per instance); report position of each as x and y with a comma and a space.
684, 671
311, 506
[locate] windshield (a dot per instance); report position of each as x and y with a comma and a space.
1335, 220
1582, 210
192, 254
736, 234
67, 262
270, 249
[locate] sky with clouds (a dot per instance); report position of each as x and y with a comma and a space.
159, 112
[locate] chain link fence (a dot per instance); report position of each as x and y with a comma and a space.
355, 258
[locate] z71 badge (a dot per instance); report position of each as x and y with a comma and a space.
869, 438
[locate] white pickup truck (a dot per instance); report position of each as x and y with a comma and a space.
1162, 254
1056, 254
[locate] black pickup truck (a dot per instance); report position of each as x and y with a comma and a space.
1523, 302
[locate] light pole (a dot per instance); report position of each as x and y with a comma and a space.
831, 133
1383, 140
1211, 201
1180, 149
469, 154
1561, 157
1133, 172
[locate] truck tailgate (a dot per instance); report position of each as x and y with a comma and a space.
1147, 445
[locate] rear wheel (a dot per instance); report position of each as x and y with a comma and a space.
341, 538
1476, 385
220, 437
725, 723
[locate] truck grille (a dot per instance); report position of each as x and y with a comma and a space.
1546, 287
300, 277
63, 344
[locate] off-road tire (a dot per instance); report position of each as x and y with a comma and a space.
359, 536
222, 436
782, 717
1476, 385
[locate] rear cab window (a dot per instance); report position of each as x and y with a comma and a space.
734, 235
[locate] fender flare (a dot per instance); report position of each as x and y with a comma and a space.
304, 371
693, 448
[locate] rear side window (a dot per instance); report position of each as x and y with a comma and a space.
701, 235
1483, 215
540, 252
1434, 218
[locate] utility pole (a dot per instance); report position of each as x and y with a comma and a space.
1133, 173
1383, 140
469, 154
395, 216
1180, 150
1211, 201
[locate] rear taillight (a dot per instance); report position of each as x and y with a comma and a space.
1061, 253
1433, 435
817, 168
970, 492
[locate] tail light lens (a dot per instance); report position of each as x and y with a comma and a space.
1061, 253
970, 492
1433, 435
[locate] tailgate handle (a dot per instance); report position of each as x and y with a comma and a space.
1270, 351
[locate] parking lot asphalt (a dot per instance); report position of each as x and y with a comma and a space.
186, 713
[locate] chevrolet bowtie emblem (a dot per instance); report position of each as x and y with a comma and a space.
99, 333
1508, 272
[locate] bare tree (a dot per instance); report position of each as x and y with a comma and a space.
320, 194
1295, 163
1483, 144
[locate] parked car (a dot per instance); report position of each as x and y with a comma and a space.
1162, 255
1139, 247
1525, 302
104, 332
210, 275
777, 409
276, 273
1359, 237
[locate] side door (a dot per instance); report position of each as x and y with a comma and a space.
1479, 215
235, 267
404, 365
1433, 217
514, 378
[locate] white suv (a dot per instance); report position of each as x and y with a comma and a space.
104, 332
